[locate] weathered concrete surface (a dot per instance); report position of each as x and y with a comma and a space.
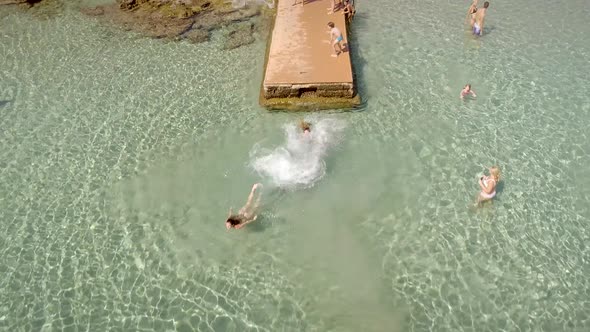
300, 69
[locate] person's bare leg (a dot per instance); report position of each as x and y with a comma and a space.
335, 50
246, 207
251, 211
256, 204
481, 200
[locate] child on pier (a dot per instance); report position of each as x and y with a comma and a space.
336, 39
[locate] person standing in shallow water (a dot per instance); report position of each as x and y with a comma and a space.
467, 91
247, 214
471, 13
488, 185
479, 19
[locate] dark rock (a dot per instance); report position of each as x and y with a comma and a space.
241, 15
43, 9
16, 2
96, 11
216, 19
263, 25
182, 19
12, 2
127, 4
197, 35
242, 35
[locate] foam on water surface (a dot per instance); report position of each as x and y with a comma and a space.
300, 161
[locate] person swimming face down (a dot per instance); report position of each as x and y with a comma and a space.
247, 214
233, 222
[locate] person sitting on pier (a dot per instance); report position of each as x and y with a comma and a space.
349, 11
336, 39
247, 214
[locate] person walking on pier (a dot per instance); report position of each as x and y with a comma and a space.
336, 39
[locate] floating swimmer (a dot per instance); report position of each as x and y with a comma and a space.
305, 127
247, 214
466, 91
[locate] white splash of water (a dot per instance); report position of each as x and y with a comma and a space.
299, 163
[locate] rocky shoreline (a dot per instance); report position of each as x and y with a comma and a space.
39, 8
190, 20
16, 2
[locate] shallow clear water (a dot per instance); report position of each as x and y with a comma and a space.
119, 157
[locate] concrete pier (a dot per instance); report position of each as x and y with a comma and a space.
300, 71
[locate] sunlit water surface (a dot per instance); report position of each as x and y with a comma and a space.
120, 156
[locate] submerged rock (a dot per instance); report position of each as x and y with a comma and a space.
192, 20
27, 2
239, 36
197, 35
39, 8
13, 2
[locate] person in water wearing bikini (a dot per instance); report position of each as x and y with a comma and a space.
247, 214
471, 13
488, 185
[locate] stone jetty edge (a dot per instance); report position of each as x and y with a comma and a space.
307, 103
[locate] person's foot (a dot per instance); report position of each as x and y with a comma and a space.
257, 185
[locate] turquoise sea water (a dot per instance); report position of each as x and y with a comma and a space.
119, 157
